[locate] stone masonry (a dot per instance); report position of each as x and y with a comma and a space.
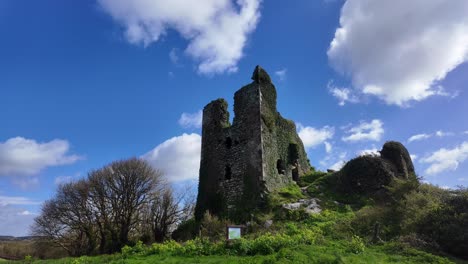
243, 162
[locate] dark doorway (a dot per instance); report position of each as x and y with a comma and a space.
293, 153
227, 172
295, 171
280, 166
228, 142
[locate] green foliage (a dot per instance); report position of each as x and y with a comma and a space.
212, 227
287, 194
448, 224
186, 230
81, 260
357, 245
311, 177
336, 235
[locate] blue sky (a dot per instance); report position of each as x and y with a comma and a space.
84, 83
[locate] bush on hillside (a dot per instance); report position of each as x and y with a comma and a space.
448, 224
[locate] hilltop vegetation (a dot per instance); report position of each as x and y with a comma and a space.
419, 223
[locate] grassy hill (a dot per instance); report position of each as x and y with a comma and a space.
341, 233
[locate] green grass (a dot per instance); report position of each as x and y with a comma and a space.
328, 252
328, 237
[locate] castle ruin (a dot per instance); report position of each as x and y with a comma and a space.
244, 161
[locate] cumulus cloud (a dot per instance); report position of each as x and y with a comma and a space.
178, 158
15, 221
217, 31
63, 179
369, 152
17, 200
333, 161
340, 163
418, 137
372, 131
441, 133
173, 56
424, 136
191, 120
328, 147
399, 50
312, 137
21, 156
446, 159
342, 94
413, 157
26, 183
281, 74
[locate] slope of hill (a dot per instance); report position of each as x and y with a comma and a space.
344, 231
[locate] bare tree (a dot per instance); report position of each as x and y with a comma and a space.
168, 210
131, 183
124, 200
68, 219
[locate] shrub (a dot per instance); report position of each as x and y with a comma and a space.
169, 247
186, 230
448, 224
311, 177
212, 227
357, 245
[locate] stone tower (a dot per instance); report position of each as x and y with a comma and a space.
259, 153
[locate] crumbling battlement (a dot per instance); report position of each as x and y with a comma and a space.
260, 152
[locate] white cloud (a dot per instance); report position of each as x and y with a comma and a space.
462, 179
424, 136
281, 74
399, 50
466, 132
441, 133
173, 56
312, 137
63, 179
413, 157
26, 212
328, 147
217, 31
338, 165
15, 221
440, 90
21, 156
332, 162
17, 200
446, 159
418, 137
369, 152
342, 94
191, 120
365, 131
178, 158
26, 183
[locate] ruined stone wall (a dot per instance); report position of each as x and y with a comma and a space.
239, 162
215, 122
283, 150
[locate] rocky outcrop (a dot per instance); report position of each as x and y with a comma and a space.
310, 206
369, 174
399, 156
